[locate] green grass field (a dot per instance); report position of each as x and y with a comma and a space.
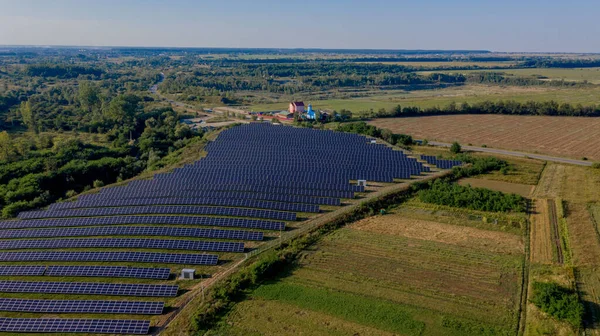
592, 75
443, 97
382, 283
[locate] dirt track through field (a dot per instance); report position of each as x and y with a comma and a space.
541, 235
555, 231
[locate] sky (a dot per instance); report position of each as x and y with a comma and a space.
496, 25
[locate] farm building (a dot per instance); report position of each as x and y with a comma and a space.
296, 107
285, 115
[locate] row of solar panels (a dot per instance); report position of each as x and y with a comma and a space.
161, 210
90, 326
139, 257
279, 182
164, 244
87, 271
132, 231
81, 306
246, 203
120, 220
158, 185
88, 288
123, 194
440, 163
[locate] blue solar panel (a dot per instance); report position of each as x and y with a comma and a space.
246, 203
22, 270
174, 220
81, 306
90, 326
145, 257
172, 209
133, 231
191, 245
90, 288
109, 272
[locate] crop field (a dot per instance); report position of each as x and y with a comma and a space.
393, 274
443, 97
577, 189
591, 75
561, 136
506, 187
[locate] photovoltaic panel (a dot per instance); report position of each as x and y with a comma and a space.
145, 257
89, 326
22, 270
90, 288
118, 220
82, 306
133, 231
246, 203
128, 194
109, 272
165, 244
166, 209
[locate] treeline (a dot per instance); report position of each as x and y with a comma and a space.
36, 173
62, 71
508, 107
370, 130
499, 79
561, 63
454, 195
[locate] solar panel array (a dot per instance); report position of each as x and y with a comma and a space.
82, 306
440, 163
174, 220
254, 177
191, 245
90, 288
133, 231
167, 209
22, 270
91, 326
245, 203
109, 272
124, 194
141, 257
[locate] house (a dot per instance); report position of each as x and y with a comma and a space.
296, 107
285, 115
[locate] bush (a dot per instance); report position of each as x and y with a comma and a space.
98, 184
596, 165
559, 302
455, 148
455, 195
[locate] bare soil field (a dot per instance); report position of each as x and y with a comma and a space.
541, 244
400, 225
561, 136
506, 187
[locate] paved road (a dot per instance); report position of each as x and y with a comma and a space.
518, 154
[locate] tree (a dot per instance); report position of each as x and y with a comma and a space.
89, 96
28, 116
455, 148
122, 109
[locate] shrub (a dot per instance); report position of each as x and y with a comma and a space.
596, 165
455, 148
455, 195
559, 302
98, 184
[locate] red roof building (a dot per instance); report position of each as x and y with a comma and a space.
296, 107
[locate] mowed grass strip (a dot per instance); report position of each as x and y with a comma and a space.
364, 310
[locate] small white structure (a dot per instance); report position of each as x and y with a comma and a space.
362, 183
373, 141
187, 274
